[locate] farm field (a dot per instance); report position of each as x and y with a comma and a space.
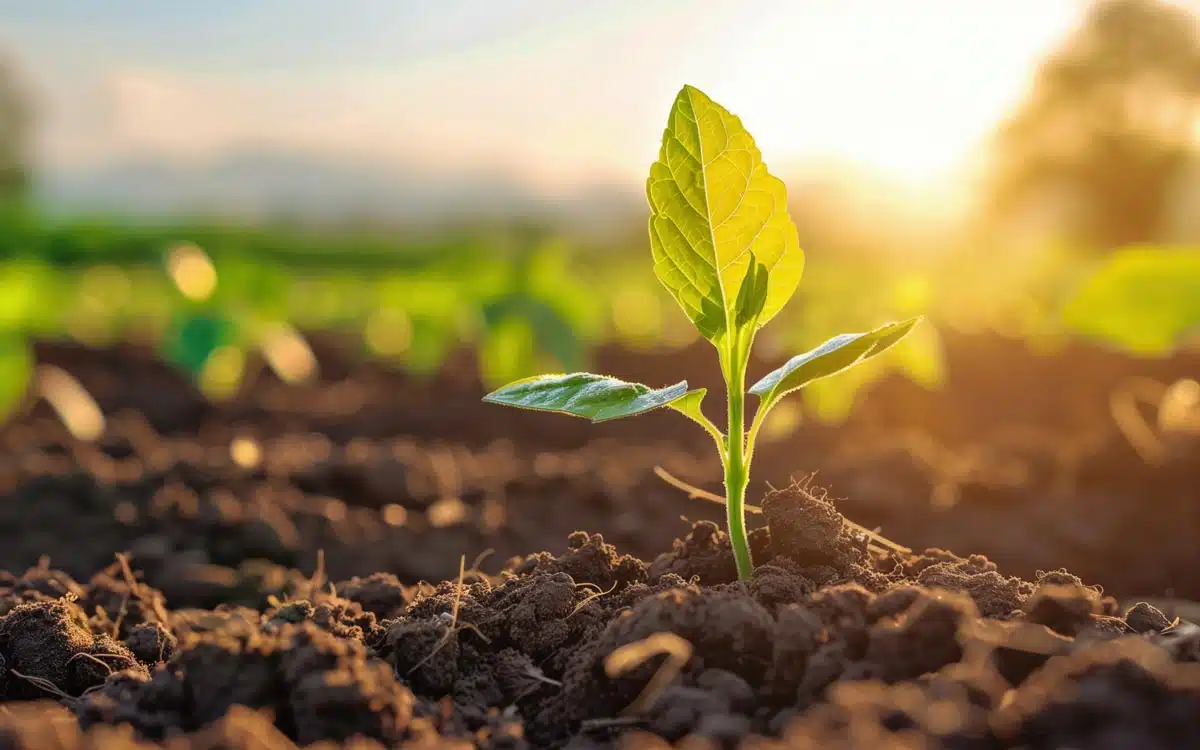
334, 505
378, 376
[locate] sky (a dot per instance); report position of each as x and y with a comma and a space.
559, 93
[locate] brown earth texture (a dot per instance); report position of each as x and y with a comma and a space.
283, 569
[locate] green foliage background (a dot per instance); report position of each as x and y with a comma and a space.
540, 303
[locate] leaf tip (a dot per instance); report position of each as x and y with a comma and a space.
905, 326
495, 397
691, 94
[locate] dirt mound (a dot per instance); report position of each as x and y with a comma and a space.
836, 642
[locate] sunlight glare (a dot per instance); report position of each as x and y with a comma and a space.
908, 91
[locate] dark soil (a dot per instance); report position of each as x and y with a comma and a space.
1017, 458
832, 644
254, 574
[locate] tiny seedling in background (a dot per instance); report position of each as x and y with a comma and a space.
725, 247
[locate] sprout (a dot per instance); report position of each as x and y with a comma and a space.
726, 249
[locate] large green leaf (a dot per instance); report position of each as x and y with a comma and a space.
595, 397
1145, 299
712, 205
835, 355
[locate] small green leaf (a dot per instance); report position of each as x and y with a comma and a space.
713, 204
582, 394
194, 336
753, 294
689, 406
16, 365
919, 357
835, 355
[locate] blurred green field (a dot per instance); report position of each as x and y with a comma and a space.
1095, 156
526, 301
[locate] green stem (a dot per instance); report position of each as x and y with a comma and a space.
737, 465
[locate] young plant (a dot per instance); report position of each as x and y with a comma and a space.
725, 247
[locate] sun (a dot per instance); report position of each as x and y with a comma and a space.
907, 90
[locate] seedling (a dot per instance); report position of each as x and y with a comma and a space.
727, 250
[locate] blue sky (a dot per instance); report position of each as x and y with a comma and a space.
232, 36
559, 92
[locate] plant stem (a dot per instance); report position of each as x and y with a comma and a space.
737, 465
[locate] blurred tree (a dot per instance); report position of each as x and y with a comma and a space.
15, 125
1109, 129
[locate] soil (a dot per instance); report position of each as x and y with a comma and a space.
254, 574
832, 643
1017, 457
